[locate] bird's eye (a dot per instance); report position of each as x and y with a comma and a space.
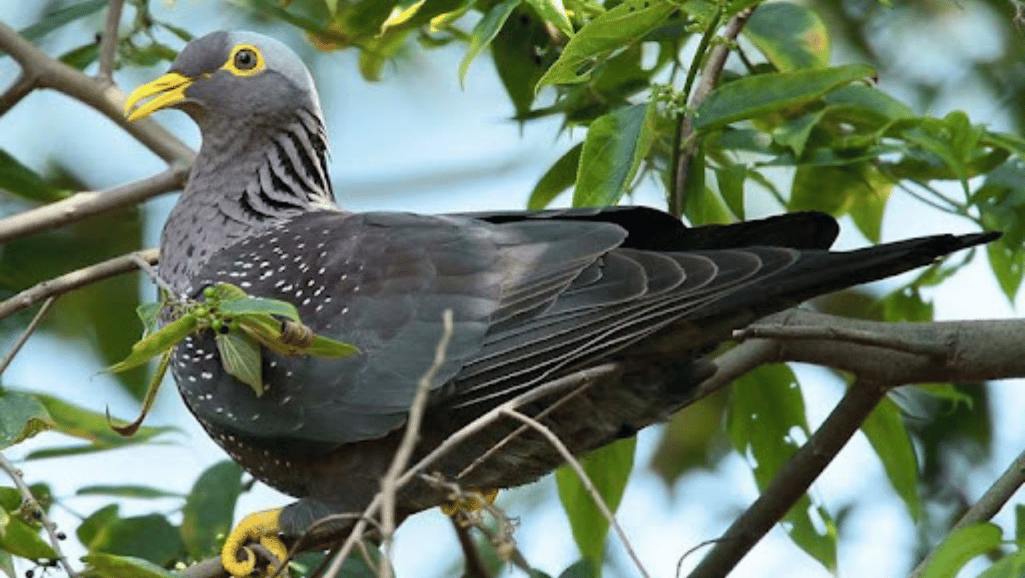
246, 59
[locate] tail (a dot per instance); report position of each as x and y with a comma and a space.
819, 272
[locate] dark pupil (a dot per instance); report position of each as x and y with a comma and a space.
245, 59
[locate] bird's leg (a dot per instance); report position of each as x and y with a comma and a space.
472, 500
261, 527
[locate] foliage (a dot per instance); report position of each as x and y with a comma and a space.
615, 72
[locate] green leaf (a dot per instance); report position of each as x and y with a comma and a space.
89, 425
485, 32
616, 144
111, 566
859, 189
559, 177
58, 18
794, 134
602, 37
157, 343
82, 56
208, 511
554, 13
752, 96
327, 347
609, 469
766, 413
522, 52
148, 313
126, 491
241, 357
731, 186
582, 568
256, 306
150, 537
960, 547
868, 99
1010, 566
885, 430
21, 417
23, 540
791, 36
22, 181
1006, 263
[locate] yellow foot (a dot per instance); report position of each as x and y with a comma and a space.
261, 527
476, 499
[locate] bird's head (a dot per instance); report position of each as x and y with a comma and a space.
230, 76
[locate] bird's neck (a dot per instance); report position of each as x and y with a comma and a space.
246, 177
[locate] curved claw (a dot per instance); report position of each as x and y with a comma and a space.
259, 526
476, 499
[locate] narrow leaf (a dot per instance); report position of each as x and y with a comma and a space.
609, 469
616, 144
601, 37
256, 306
21, 417
791, 36
22, 181
485, 32
156, 343
209, 508
241, 357
22, 540
124, 566
327, 347
554, 13
752, 96
58, 18
885, 430
559, 177
147, 402
960, 547
126, 491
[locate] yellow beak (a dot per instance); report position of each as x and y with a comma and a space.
169, 89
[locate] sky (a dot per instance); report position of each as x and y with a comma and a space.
386, 137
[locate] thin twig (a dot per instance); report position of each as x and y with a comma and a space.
151, 272
26, 334
793, 480
988, 505
18, 90
843, 334
475, 567
48, 72
30, 501
409, 440
108, 43
584, 479
74, 280
91, 203
684, 147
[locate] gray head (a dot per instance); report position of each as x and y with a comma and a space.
231, 75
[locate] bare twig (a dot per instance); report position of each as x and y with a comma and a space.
475, 567
409, 439
26, 334
46, 72
793, 480
684, 147
584, 479
151, 272
988, 505
108, 43
74, 280
14, 93
92, 203
28, 500
842, 334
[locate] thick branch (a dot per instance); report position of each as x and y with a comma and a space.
47, 72
91, 203
792, 481
14, 93
74, 280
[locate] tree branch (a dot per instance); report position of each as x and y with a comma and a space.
793, 480
40, 315
91, 203
988, 505
74, 280
683, 145
108, 42
18, 90
46, 72
28, 500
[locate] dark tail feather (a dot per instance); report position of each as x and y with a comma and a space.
820, 272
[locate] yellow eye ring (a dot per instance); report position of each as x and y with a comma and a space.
245, 60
